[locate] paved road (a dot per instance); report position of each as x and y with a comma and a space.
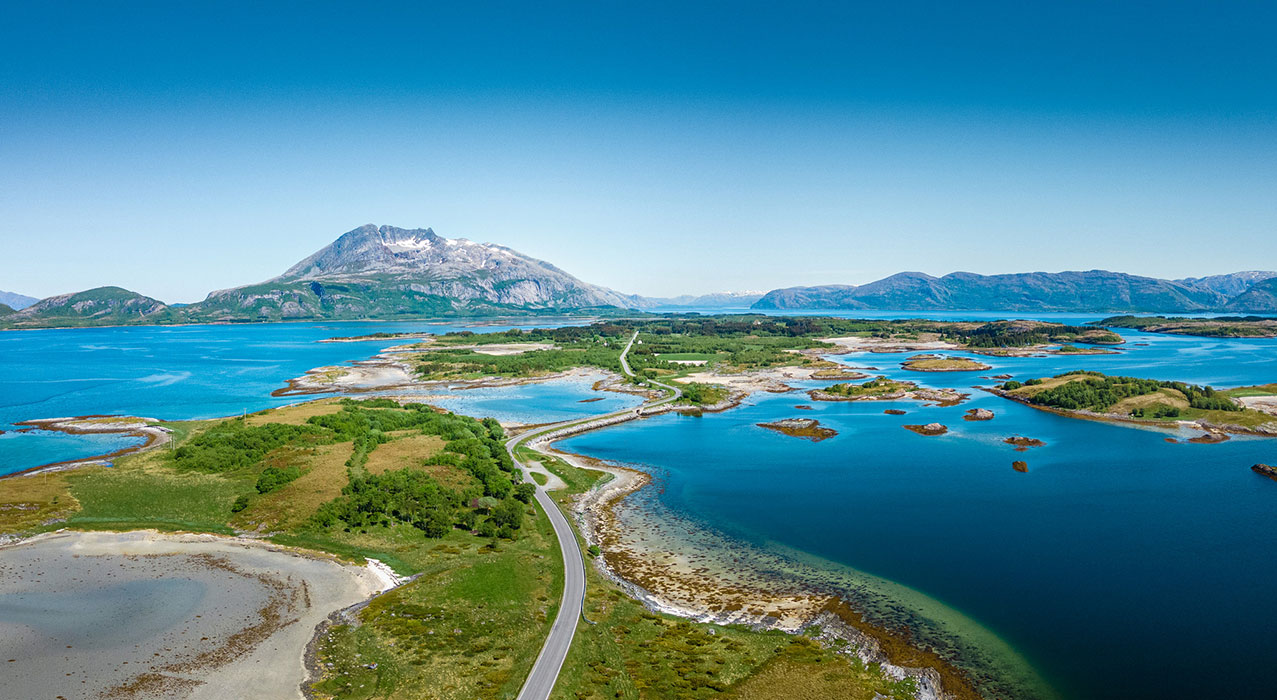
546, 669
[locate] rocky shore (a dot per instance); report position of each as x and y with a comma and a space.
152, 436
640, 556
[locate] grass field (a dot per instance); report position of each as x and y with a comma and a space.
142, 491
469, 627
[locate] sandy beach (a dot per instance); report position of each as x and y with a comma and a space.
150, 615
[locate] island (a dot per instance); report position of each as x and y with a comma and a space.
930, 429
1244, 410
883, 389
942, 363
1210, 327
805, 428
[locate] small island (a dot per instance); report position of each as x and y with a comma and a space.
1023, 443
943, 363
883, 389
805, 428
930, 429
978, 414
1245, 410
1020, 466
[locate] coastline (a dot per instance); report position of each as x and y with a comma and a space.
287, 591
674, 578
1179, 425
153, 436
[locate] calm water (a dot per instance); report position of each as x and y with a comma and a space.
170, 373
1119, 566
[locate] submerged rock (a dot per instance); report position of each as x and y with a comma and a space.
1020, 466
894, 412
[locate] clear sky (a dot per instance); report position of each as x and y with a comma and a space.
658, 148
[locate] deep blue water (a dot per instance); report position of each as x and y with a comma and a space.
1119, 566
170, 373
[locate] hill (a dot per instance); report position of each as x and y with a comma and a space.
103, 306
16, 301
1260, 298
1094, 290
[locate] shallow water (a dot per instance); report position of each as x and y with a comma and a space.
1119, 566
170, 373
541, 402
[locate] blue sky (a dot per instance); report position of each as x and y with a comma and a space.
657, 148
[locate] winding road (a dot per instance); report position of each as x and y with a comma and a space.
550, 661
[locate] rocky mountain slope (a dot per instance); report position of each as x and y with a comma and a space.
1090, 291
388, 272
1232, 284
1260, 298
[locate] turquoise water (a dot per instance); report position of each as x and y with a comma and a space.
1119, 566
170, 373
542, 402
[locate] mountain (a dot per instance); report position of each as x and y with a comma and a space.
1260, 298
716, 300
16, 301
5, 309
389, 272
103, 306
1229, 285
1094, 290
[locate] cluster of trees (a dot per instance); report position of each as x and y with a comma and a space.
704, 394
493, 505
233, 445
1099, 392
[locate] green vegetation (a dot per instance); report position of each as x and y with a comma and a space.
725, 343
469, 626
936, 363
700, 394
1216, 327
878, 386
1093, 391
1144, 399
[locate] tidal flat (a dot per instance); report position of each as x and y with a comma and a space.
145, 615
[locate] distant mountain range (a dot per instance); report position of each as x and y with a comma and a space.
1092, 291
16, 301
392, 273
